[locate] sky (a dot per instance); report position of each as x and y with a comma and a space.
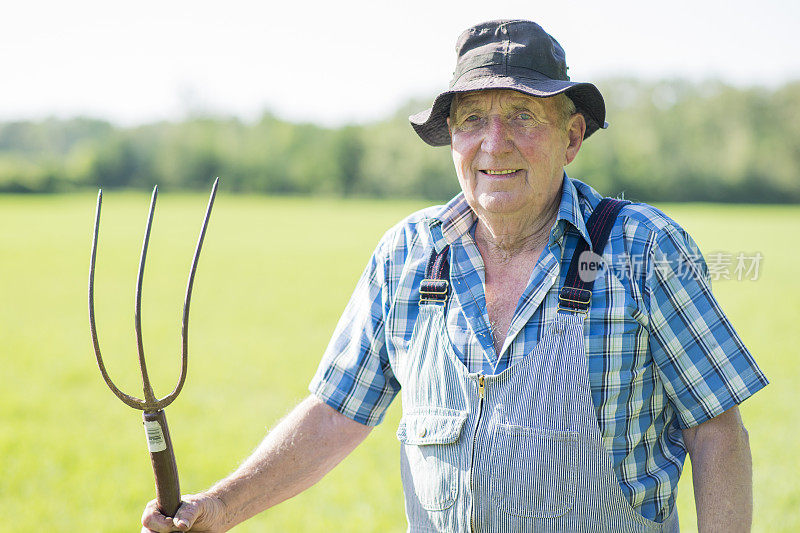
349, 61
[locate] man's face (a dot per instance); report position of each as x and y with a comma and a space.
509, 150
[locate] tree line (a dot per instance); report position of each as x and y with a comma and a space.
669, 140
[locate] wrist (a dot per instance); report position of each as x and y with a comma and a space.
218, 511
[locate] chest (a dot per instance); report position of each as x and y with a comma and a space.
502, 296
503, 288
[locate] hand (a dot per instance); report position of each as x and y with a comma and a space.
197, 512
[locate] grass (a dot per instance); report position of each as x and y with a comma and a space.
273, 279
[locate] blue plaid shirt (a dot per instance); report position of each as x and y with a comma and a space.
662, 354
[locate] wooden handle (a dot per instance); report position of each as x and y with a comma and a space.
168, 492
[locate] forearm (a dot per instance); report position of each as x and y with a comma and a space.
297, 453
722, 475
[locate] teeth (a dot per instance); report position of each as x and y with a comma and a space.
499, 172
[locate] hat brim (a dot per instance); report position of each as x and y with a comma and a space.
431, 124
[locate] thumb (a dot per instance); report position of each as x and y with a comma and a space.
186, 516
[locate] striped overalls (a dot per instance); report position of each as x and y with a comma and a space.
516, 451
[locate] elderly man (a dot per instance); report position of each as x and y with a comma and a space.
557, 353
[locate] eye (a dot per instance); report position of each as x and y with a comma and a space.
470, 122
525, 116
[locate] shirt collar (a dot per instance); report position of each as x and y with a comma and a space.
456, 218
569, 212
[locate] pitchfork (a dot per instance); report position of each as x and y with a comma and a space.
168, 494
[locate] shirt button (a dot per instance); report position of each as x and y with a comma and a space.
422, 432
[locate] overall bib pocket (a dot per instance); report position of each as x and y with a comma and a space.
429, 457
533, 473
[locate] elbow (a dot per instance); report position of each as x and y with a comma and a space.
744, 440
745, 436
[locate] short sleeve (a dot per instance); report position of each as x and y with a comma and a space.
704, 365
354, 376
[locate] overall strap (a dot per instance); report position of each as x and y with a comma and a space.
576, 294
436, 285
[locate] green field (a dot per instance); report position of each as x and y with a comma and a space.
274, 276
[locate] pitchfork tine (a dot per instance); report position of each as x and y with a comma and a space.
149, 397
187, 301
131, 401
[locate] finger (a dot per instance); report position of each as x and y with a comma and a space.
154, 521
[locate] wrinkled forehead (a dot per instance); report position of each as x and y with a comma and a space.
488, 97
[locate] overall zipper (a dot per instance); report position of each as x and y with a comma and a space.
481, 392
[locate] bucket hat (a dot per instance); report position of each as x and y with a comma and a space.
509, 54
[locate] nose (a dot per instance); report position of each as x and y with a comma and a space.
497, 138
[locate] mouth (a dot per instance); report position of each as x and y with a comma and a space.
501, 172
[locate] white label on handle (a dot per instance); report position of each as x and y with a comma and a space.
155, 437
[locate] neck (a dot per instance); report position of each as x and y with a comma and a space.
505, 237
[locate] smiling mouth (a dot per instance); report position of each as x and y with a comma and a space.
503, 172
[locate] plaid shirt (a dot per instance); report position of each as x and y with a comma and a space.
662, 354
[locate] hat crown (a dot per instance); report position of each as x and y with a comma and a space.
500, 47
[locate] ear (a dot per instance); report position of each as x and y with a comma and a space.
449, 128
576, 127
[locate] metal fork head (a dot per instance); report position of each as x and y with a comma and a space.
150, 403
